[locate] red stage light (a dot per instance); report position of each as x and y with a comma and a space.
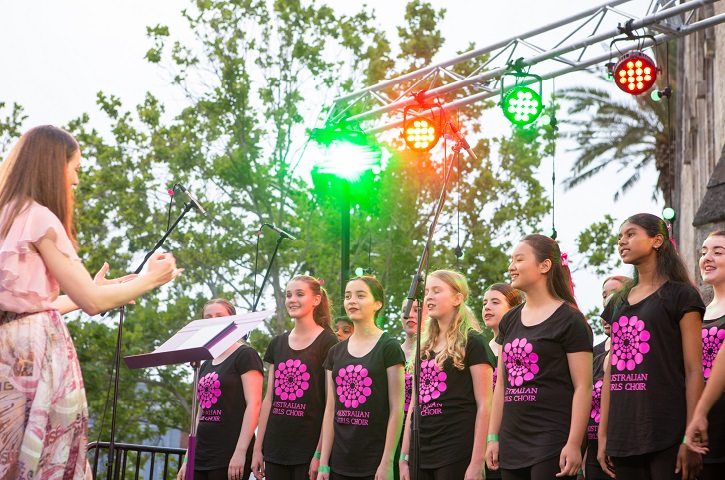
635, 72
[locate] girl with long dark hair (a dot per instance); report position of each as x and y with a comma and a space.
706, 431
289, 426
543, 392
654, 376
455, 385
364, 411
43, 410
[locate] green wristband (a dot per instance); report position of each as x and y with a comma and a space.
684, 440
403, 457
184, 460
492, 437
323, 469
317, 455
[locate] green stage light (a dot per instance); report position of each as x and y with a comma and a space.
347, 154
669, 214
522, 105
359, 272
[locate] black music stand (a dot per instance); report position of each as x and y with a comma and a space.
199, 340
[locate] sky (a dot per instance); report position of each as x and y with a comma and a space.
56, 56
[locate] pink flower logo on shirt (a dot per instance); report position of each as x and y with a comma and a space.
596, 400
629, 343
495, 376
520, 360
291, 380
209, 390
408, 390
432, 381
712, 339
353, 385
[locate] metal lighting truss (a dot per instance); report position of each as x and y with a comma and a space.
581, 41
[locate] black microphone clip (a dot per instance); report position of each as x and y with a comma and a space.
192, 200
280, 231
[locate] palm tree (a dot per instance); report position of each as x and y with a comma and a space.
629, 131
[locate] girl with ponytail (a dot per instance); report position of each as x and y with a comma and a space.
542, 397
455, 385
293, 407
654, 376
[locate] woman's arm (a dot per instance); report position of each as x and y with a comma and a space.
65, 305
697, 438
396, 397
252, 386
580, 370
93, 299
328, 428
482, 376
602, 458
405, 445
688, 461
257, 456
494, 423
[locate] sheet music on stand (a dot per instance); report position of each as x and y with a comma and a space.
199, 340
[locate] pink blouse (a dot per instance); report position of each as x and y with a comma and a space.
26, 284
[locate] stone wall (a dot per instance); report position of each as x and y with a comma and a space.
700, 138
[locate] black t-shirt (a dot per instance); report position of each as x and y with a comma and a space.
647, 410
222, 403
593, 469
361, 405
538, 389
599, 348
448, 405
298, 403
713, 335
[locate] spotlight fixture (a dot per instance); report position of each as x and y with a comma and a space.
635, 72
422, 130
421, 134
521, 104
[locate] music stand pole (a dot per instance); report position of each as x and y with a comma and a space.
117, 354
269, 268
191, 447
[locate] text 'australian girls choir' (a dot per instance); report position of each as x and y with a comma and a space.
539, 401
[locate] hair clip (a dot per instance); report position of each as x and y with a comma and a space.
564, 259
320, 281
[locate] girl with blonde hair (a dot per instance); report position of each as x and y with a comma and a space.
454, 388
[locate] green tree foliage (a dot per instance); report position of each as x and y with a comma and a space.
255, 77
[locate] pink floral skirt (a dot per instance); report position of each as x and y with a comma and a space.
43, 411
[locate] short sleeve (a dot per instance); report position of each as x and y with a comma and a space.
26, 284
329, 363
576, 337
688, 299
329, 340
269, 353
477, 350
392, 353
608, 312
506, 322
248, 360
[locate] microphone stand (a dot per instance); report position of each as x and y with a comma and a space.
269, 268
117, 357
418, 278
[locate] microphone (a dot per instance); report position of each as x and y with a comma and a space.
280, 231
462, 141
192, 200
